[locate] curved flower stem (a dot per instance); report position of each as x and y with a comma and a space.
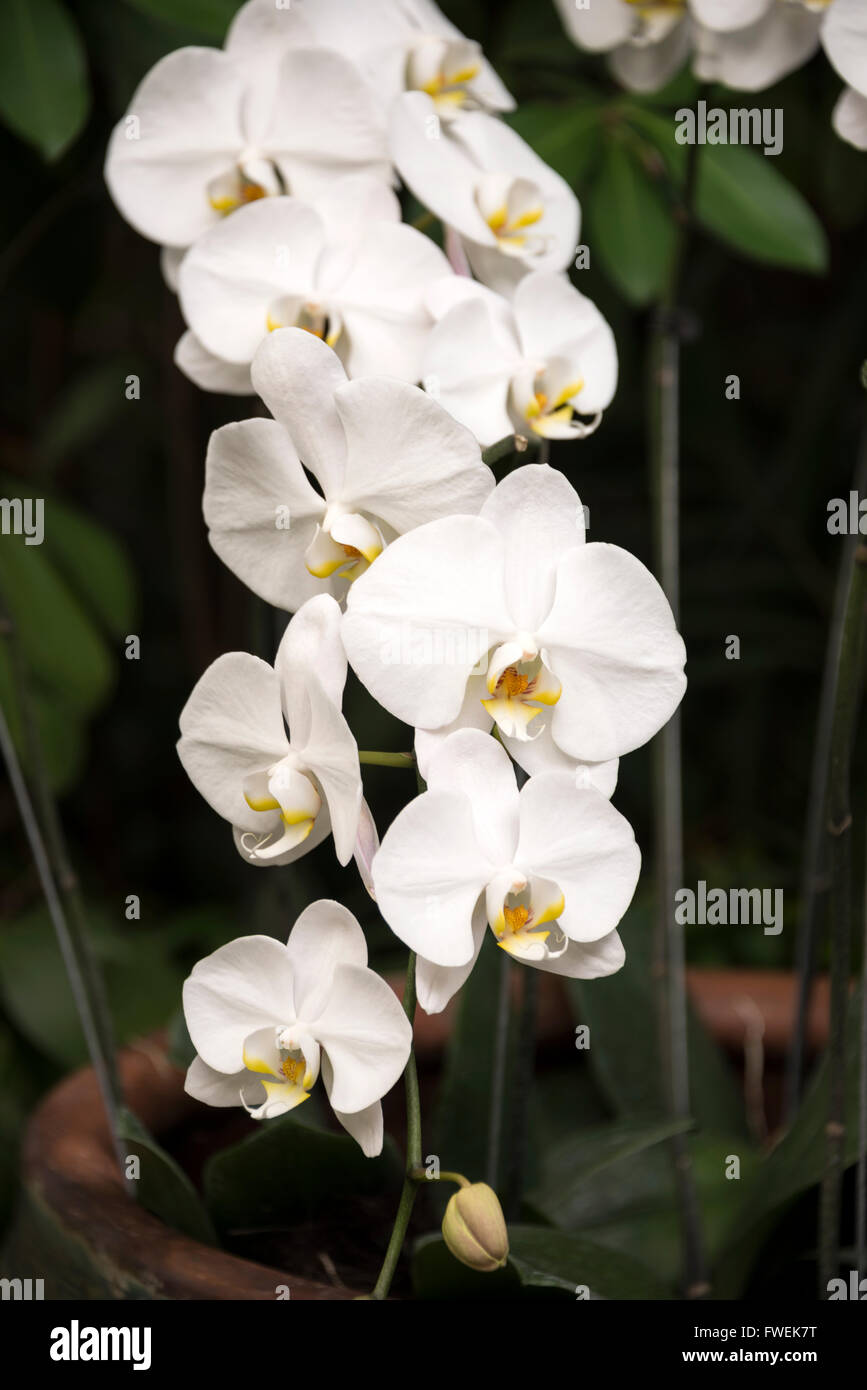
669, 951
413, 1152
511, 444
58, 884
839, 830
387, 759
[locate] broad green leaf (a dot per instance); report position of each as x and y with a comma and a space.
95, 566
62, 648
287, 1171
542, 1263
60, 733
44, 85
554, 1260
142, 983
742, 197
630, 1204
567, 136
209, 17
162, 1187
437, 1275
795, 1165
631, 229
570, 1165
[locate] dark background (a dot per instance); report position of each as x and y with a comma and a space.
84, 306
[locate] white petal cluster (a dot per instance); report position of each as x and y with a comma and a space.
526, 661
744, 44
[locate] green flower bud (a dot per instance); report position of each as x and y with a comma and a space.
474, 1228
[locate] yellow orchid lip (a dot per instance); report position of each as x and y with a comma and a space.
517, 926
516, 698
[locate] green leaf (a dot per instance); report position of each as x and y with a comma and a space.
95, 566
743, 199
437, 1275
567, 136
570, 1165
554, 1260
44, 86
287, 1172
209, 17
142, 983
542, 1263
60, 732
62, 648
162, 1187
631, 229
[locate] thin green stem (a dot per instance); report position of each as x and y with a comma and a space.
58, 880
413, 1151
669, 944
839, 831
814, 875
525, 1065
498, 1075
68, 948
374, 759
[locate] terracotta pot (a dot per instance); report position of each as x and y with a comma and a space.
77, 1228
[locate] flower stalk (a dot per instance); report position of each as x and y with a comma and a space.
414, 1172
60, 888
839, 833
669, 952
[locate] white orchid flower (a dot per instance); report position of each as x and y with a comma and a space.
530, 366
844, 37
573, 638
282, 793
550, 870
267, 1020
512, 211
745, 44
384, 456
204, 136
273, 265
399, 45
353, 202
782, 36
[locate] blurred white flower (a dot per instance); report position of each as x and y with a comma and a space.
204, 136
399, 45
512, 211
282, 793
274, 264
550, 870
384, 458
571, 641
267, 1019
532, 365
745, 44
844, 36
